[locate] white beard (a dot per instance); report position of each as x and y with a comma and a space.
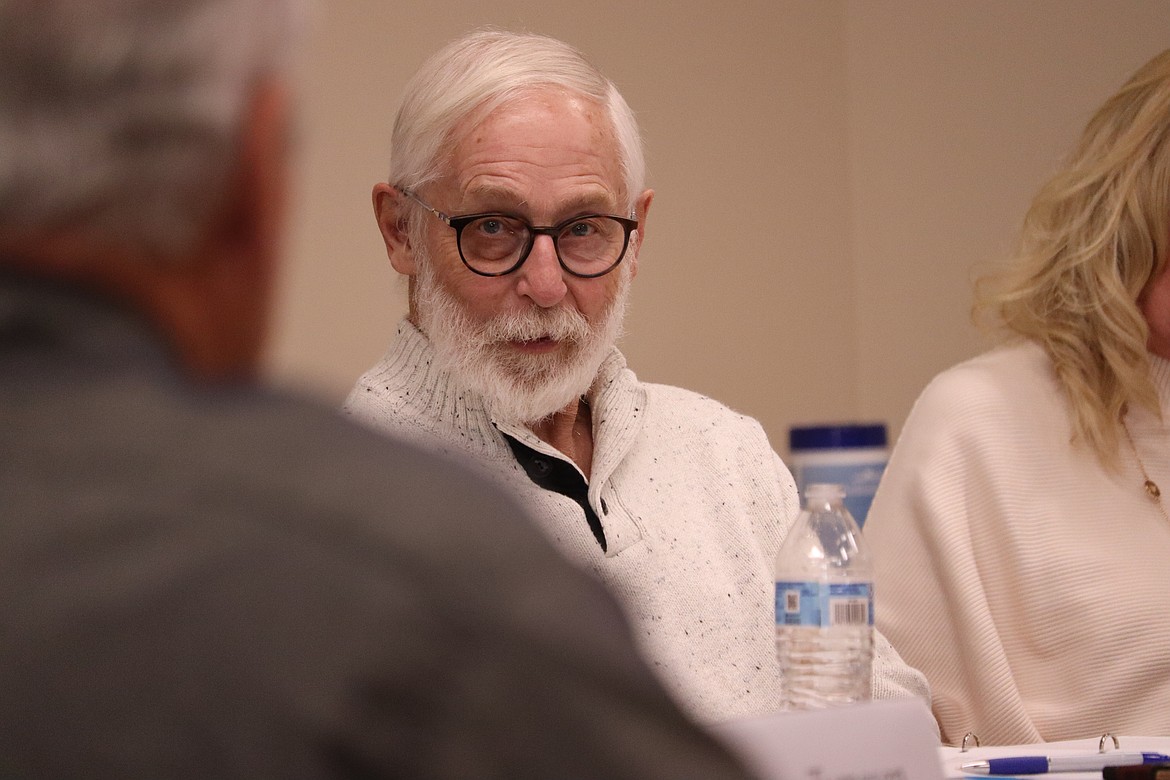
517, 387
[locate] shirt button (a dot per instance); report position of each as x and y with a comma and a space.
541, 467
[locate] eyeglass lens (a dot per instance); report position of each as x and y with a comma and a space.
494, 244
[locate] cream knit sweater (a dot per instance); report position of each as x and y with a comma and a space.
1031, 586
693, 501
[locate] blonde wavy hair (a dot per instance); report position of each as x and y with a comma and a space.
1095, 236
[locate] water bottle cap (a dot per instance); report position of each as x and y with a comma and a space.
825, 491
846, 435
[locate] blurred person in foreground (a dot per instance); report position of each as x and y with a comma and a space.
1020, 530
516, 206
199, 578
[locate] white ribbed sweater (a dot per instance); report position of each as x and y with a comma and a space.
1031, 586
693, 501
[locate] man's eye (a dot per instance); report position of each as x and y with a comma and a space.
492, 227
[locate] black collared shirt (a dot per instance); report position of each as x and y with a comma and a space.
560, 477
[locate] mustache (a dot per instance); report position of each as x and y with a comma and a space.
560, 324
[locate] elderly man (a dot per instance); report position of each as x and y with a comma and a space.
202, 579
516, 206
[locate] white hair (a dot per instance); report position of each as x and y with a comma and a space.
475, 74
119, 118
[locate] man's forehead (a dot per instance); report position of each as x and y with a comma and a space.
580, 197
555, 117
555, 147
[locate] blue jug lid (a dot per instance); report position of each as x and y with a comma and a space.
825, 437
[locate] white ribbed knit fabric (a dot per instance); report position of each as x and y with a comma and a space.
1031, 586
693, 500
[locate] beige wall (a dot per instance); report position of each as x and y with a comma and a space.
828, 174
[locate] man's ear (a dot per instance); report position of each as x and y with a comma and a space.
641, 208
388, 210
218, 304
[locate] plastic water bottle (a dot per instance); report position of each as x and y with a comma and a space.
824, 605
853, 455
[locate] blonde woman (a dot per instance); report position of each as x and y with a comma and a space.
1022, 527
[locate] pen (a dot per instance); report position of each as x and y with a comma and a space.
1038, 765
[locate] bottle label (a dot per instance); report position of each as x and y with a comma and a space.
811, 603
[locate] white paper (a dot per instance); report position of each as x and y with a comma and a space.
892, 739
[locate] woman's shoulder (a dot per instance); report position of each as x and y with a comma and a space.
1009, 375
1009, 388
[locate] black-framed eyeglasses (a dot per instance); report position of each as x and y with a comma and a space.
495, 244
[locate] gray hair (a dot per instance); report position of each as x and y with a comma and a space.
119, 118
475, 74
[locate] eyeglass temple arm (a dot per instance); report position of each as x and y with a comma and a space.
410, 194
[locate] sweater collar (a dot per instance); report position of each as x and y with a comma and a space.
76, 325
1160, 376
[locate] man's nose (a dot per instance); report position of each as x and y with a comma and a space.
541, 278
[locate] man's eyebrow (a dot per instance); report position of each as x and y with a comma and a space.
489, 194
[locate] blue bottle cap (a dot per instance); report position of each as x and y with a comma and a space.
827, 437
